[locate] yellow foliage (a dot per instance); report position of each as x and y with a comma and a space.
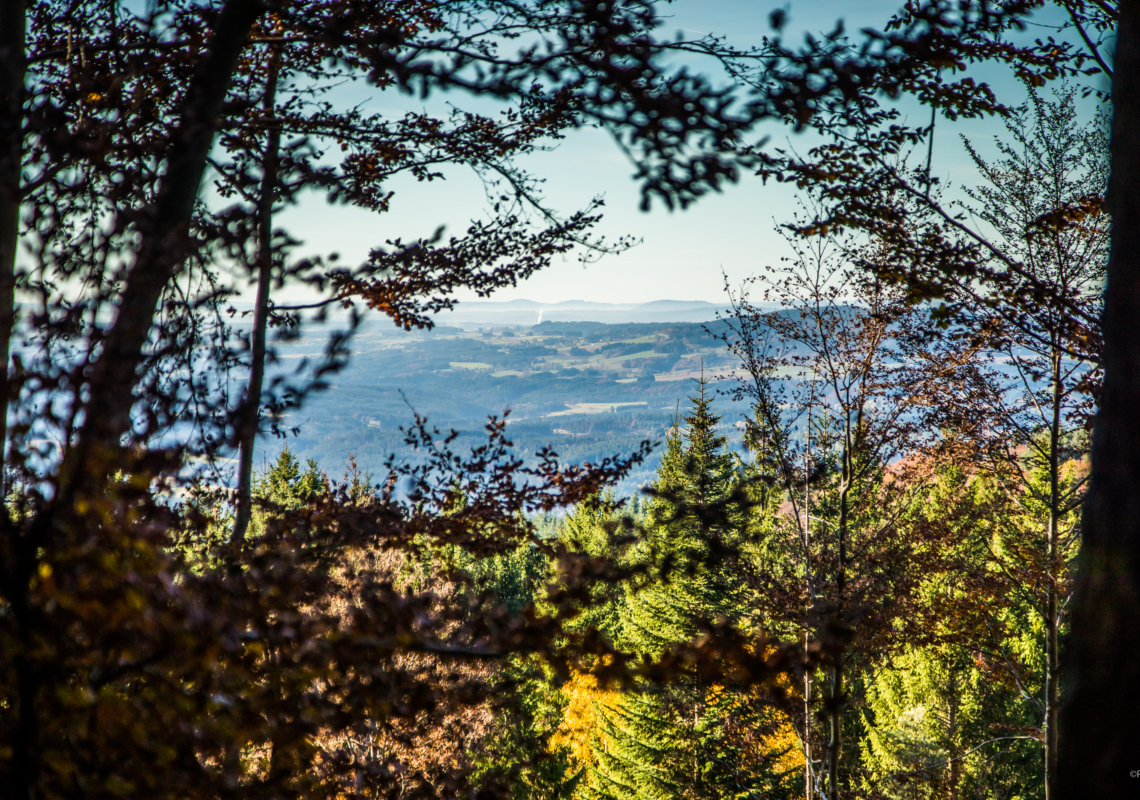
782, 748
581, 720
786, 742
581, 727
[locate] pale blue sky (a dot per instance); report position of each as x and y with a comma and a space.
682, 253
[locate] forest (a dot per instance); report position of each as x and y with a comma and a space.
871, 533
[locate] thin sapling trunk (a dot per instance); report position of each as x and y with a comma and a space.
249, 414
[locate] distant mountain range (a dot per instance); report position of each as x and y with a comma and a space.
476, 314
472, 315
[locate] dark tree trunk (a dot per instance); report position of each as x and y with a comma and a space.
249, 414
1052, 610
13, 65
835, 740
1099, 741
162, 250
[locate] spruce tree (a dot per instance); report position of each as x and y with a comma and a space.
685, 522
685, 739
283, 487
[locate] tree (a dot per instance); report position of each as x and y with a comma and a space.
126, 670
943, 728
687, 737
1105, 665
846, 367
285, 485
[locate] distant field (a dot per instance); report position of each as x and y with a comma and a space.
592, 408
629, 357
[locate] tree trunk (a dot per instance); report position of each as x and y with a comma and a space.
808, 781
164, 239
809, 777
164, 232
249, 415
1099, 721
955, 765
13, 66
835, 741
1052, 612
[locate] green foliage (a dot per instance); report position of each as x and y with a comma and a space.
689, 517
959, 715
683, 738
285, 485
596, 528
514, 758
938, 726
513, 579
517, 755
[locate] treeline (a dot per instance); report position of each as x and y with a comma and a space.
923, 589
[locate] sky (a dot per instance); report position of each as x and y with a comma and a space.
680, 255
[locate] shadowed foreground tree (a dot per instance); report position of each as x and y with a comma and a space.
1098, 719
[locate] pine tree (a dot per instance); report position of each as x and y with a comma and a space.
685, 521
284, 487
685, 739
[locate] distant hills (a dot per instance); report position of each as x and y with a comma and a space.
476, 314
589, 389
480, 315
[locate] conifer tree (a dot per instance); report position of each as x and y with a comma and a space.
696, 477
686, 738
285, 485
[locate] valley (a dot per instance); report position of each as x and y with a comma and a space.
588, 389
